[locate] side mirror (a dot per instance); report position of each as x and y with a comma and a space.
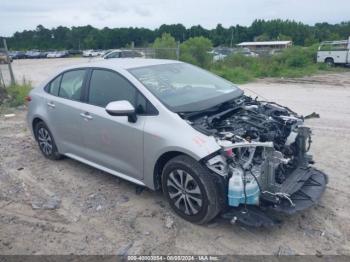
122, 108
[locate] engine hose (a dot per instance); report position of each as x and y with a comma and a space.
309, 143
244, 190
280, 194
256, 180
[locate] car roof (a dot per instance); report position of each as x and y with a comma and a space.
124, 63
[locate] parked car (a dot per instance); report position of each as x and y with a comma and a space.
57, 54
334, 52
74, 52
51, 54
105, 52
32, 54
4, 59
171, 126
17, 54
43, 54
61, 54
122, 54
217, 56
246, 52
90, 53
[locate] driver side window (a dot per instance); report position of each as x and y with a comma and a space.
107, 86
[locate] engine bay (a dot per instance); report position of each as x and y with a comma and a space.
247, 120
264, 151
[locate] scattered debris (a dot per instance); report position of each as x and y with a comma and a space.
123, 199
169, 222
139, 190
6, 243
312, 115
9, 115
53, 202
319, 253
285, 251
95, 201
212, 225
123, 251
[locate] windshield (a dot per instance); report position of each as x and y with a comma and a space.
185, 88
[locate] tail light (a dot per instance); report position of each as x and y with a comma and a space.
28, 99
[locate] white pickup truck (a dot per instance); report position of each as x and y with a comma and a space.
334, 52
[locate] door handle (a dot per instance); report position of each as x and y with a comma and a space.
86, 116
51, 104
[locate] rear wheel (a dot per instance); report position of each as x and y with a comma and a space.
189, 189
46, 142
329, 61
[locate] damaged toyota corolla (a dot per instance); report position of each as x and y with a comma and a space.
174, 127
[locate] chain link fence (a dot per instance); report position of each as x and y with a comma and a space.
158, 53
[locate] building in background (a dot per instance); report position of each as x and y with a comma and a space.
266, 45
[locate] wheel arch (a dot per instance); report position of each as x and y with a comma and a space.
159, 166
328, 58
35, 121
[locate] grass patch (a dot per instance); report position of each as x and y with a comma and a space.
17, 93
290, 63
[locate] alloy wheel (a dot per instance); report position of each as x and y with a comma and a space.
184, 192
45, 141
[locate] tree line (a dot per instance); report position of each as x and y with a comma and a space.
88, 37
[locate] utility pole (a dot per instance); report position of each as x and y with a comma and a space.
9, 62
178, 50
231, 37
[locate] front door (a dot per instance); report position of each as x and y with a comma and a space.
112, 141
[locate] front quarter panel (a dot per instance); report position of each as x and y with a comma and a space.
167, 132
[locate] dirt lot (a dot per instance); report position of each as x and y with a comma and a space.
66, 207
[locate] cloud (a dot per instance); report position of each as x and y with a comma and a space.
20, 14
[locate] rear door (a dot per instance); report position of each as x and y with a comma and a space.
112, 141
64, 110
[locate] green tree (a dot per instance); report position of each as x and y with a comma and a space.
262, 37
195, 51
165, 46
86, 37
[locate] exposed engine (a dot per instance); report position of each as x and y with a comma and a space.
248, 120
263, 143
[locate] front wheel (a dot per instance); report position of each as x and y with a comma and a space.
190, 191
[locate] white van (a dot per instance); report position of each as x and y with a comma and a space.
334, 52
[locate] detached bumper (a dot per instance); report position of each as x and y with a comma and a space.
310, 188
308, 195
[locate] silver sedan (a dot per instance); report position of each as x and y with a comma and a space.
171, 126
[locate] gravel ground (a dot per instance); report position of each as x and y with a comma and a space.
64, 207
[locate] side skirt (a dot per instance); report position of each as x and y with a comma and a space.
105, 169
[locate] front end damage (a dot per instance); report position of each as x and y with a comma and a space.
264, 161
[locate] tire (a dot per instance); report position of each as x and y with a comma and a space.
190, 190
329, 61
46, 142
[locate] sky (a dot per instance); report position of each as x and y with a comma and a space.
19, 15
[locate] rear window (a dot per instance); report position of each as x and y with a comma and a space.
71, 84
54, 86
